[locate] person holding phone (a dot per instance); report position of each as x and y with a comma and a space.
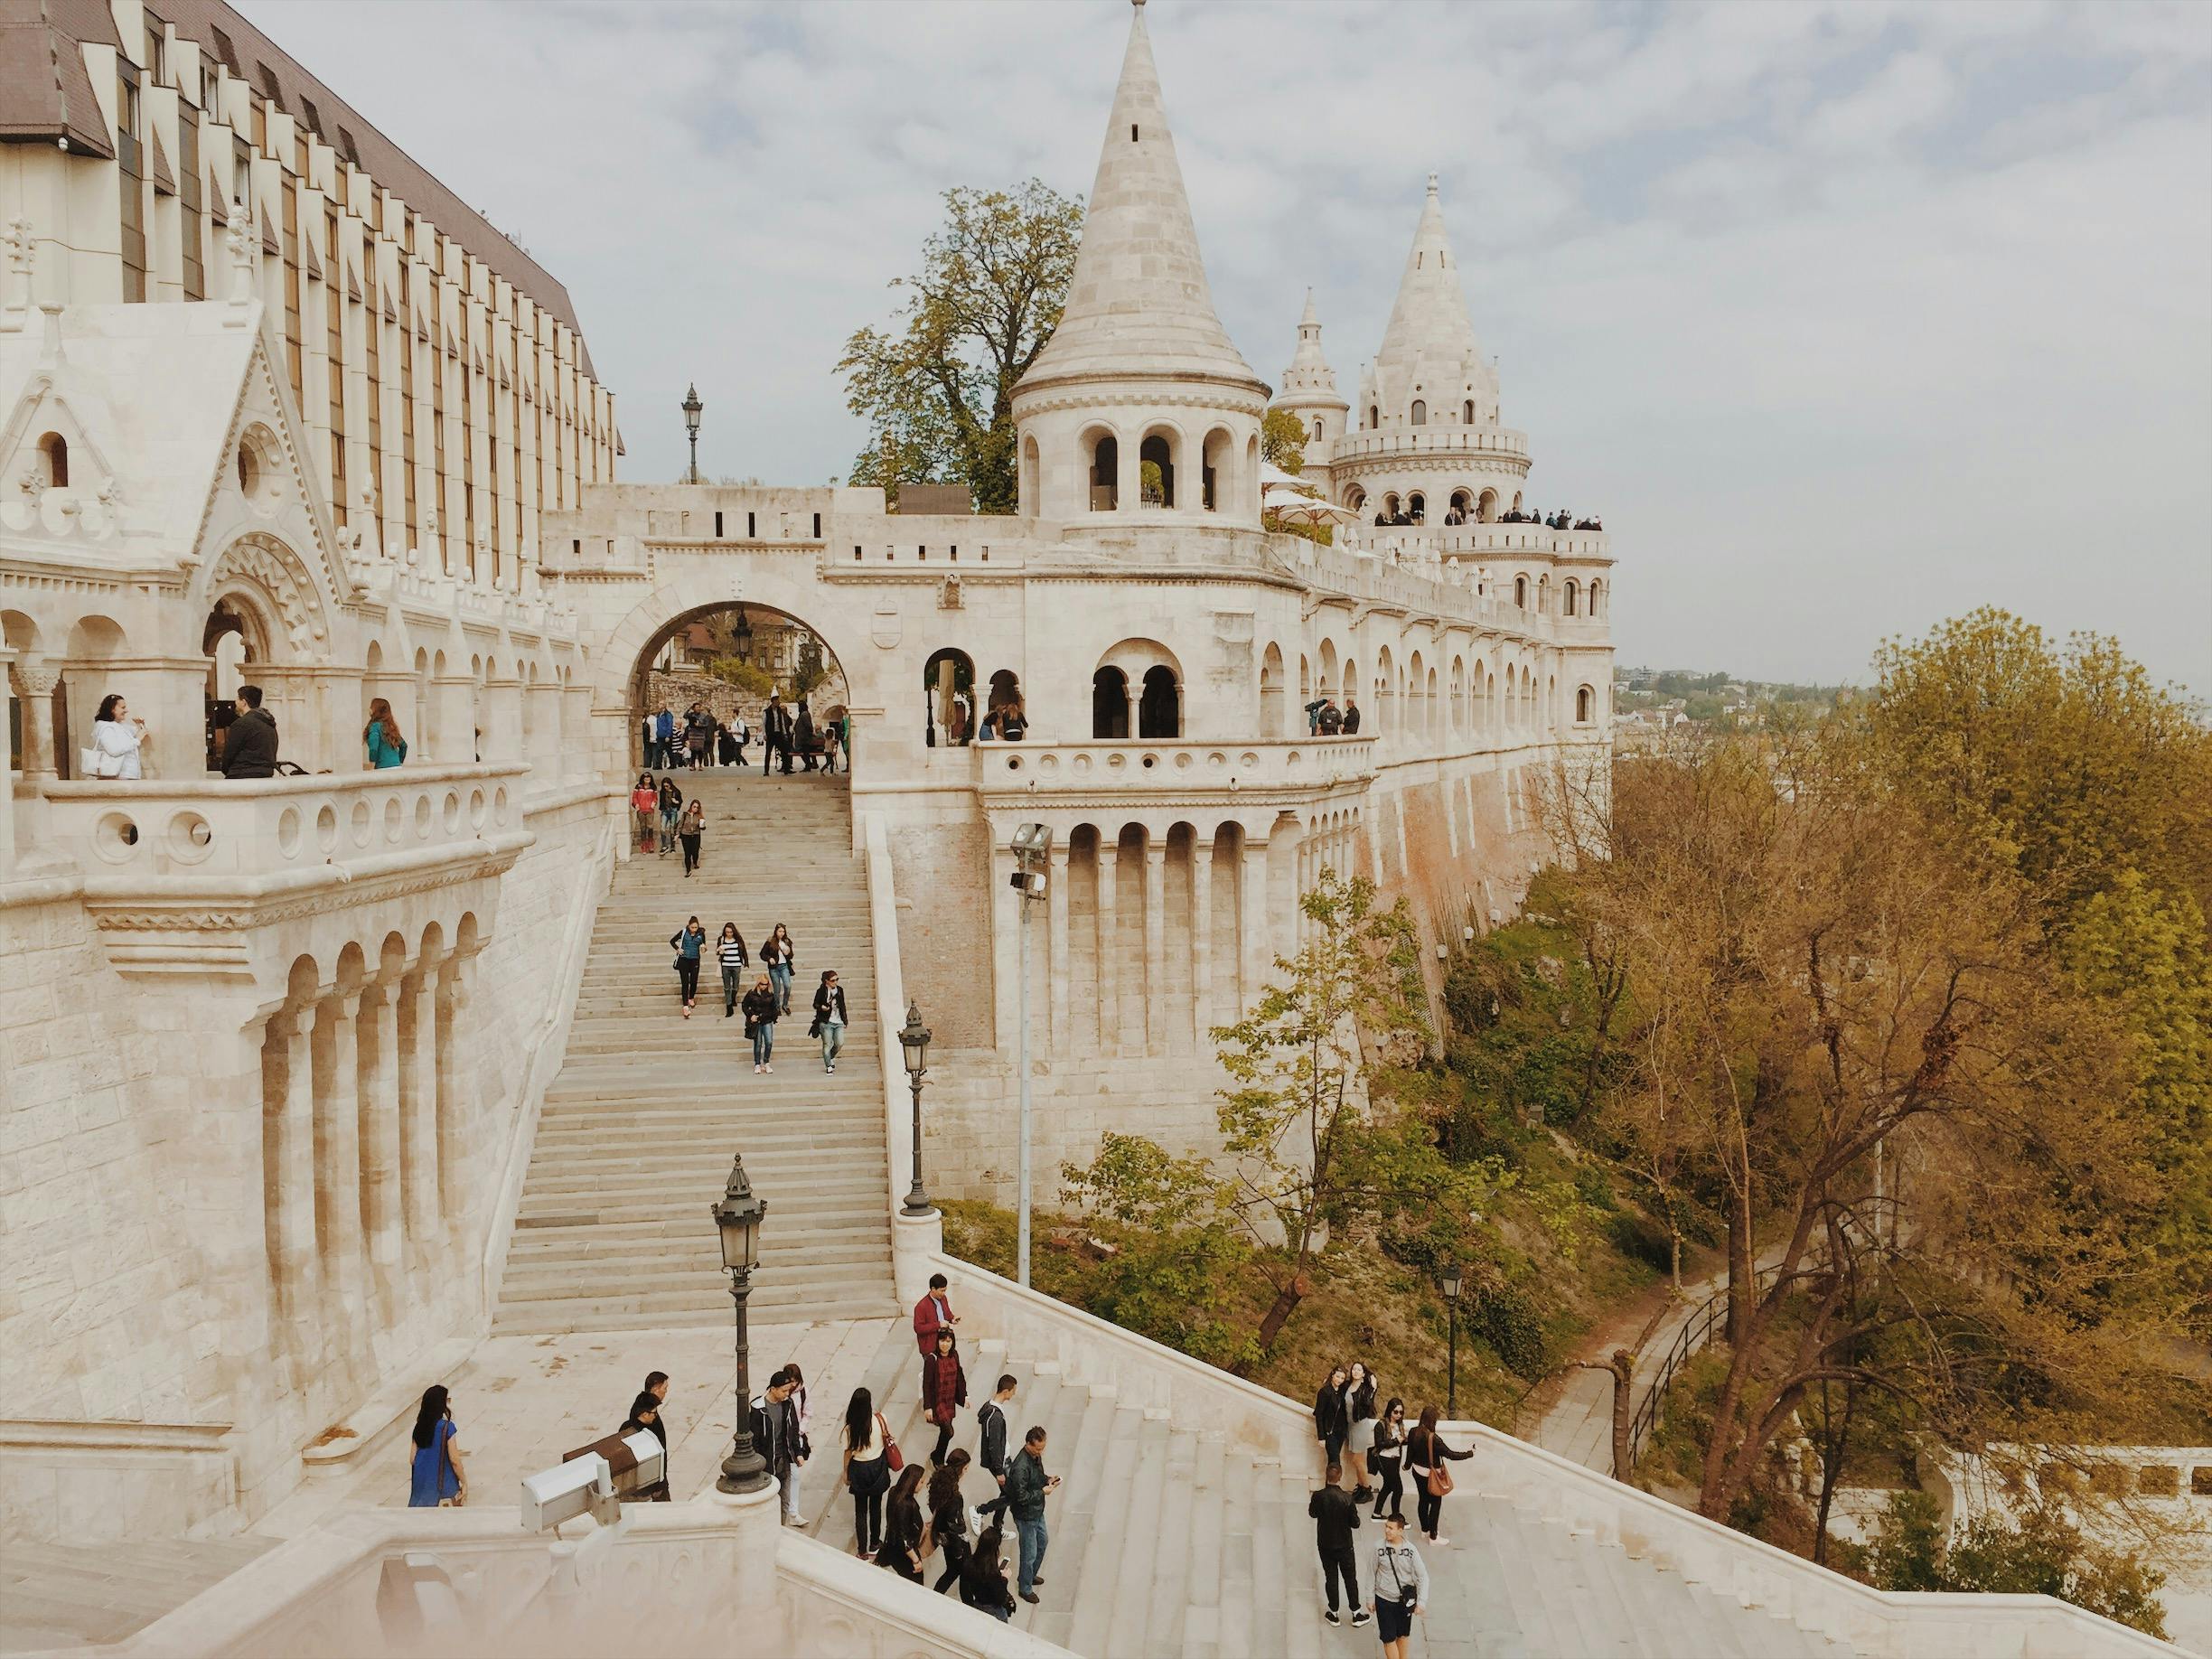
1027, 1487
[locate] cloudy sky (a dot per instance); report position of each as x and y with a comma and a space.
1846, 318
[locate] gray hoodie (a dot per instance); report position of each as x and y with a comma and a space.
1398, 1570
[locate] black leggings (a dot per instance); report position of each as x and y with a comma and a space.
687, 978
729, 990
1390, 1497
868, 1519
1429, 1509
944, 1443
690, 847
956, 1554
1337, 1564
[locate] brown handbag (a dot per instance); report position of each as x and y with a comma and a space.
1439, 1480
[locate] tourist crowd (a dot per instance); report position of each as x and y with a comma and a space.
699, 738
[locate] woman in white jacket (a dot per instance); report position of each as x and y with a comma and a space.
116, 740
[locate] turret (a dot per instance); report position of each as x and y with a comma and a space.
1140, 369
1309, 388
1430, 370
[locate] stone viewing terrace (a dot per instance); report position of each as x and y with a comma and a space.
1502, 441
1171, 768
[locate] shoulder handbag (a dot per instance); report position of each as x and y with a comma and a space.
894, 1459
1439, 1481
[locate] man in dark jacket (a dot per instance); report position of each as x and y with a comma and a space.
250, 747
1351, 716
1027, 1486
803, 729
991, 1453
1332, 718
775, 735
1335, 1514
775, 1436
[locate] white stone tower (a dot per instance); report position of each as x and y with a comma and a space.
1428, 437
1140, 369
1309, 388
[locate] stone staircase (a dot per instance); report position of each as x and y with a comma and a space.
1169, 1543
635, 1142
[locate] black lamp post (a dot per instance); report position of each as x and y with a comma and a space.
692, 408
737, 1218
914, 1038
1451, 1277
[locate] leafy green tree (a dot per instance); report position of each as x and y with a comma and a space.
937, 393
1283, 441
810, 668
2039, 1552
749, 677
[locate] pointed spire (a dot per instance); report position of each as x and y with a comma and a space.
1429, 340
1139, 303
1309, 373
1311, 319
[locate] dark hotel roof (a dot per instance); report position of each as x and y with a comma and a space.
45, 95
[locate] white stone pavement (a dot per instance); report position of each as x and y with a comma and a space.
521, 1402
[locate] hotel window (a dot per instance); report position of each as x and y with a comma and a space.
192, 219
130, 170
289, 194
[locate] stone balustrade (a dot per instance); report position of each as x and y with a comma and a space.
266, 834
1503, 442
1171, 766
1441, 540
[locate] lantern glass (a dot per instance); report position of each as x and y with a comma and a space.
738, 1220
914, 1039
1451, 1283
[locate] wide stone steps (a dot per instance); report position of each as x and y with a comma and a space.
637, 1130
1166, 1544
68, 1596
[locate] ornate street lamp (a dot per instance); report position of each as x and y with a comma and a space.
1452, 1279
743, 634
1032, 859
692, 408
737, 1218
913, 1039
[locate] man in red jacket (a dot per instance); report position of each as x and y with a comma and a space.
933, 1314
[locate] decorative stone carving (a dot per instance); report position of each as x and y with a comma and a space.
277, 573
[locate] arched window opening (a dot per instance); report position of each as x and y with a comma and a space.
1109, 706
1217, 462
1486, 507
1585, 705
1420, 412
1004, 715
1317, 429
1159, 704
1568, 598
1355, 497
948, 691
1417, 506
1105, 472
1521, 593
1155, 467
1543, 595
1273, 704
53, 460
1374, 417
1030, 467
1389, 508
1460, 502
1329, 669
1597, 594
1467, 413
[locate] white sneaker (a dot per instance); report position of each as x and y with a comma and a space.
769, 1069
1441, 1543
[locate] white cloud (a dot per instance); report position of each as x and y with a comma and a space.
1847, 317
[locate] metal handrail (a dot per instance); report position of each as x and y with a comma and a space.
1696, 1332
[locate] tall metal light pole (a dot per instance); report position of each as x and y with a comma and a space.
914, 1040
1033, 854
1451, 1379
692, 408
737, 1218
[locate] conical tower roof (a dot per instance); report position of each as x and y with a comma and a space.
1429, 332
1309, 375
1138, 303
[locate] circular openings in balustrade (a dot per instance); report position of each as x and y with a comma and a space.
190, 837
1150, 762
1081, 764
423, 810
1013, 763
499, 806
1216, 761
476, 809
452, 814
363, 822
1048, 764
1183, 760
327, 828
115, 838
288, 833
1117, 761
394, 818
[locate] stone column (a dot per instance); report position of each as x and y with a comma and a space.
452, 1001
292, 1175
1056, 908
502, 718
338, 1166
576, 731
382, 1218
7, 796
1251, 924
1108, 946
35, 686
1153, 992
1202, 939
1128, 482
418, 1140
1135, 692
456, 697
547, 704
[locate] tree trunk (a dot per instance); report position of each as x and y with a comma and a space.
1837, 1437
1624, 1409
1674, 1254
1743, 1274
1284, 1304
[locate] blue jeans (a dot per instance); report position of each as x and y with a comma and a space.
833, 1043
1034, 1539
779, 976
764, 1042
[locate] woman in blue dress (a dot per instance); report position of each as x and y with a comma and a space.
438, 1481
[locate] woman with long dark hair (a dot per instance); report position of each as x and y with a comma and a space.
380, 737
730, 948
688, 942
1359, 1426
865, 1469
983, 1581
1386, 1458
777, 956
437, 1480
688, 827
1329, 1424
948, 1519
645, 803
944, 1390
672, 807
905, 1534
1426, 1455
760, 1014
